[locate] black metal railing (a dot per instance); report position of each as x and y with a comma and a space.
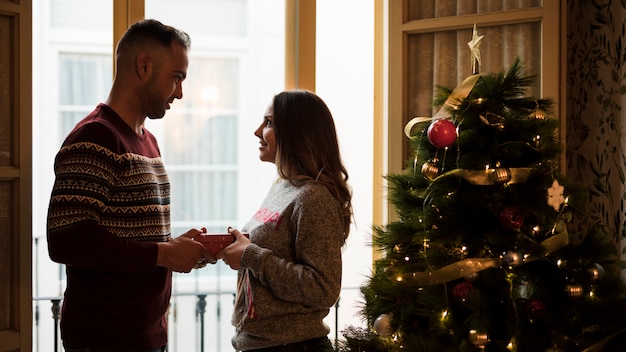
200, 313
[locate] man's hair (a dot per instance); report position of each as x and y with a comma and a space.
150, 32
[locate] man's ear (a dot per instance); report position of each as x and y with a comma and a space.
143, 64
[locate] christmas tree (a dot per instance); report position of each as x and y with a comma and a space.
479, 258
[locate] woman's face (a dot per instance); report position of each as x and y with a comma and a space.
267, 140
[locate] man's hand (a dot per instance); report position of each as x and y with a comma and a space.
183, 253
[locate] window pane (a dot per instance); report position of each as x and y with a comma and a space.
84, 81
203, 17
345, 81
212, 82
207, 197
67, 121
200, 139
423, 9
443, 58
95, 15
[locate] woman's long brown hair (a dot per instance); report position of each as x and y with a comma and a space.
307, 146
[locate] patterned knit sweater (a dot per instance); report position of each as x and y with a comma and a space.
290, 275
109, 206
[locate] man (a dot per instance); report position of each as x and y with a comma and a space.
109, 216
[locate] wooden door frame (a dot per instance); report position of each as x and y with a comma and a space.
18, 335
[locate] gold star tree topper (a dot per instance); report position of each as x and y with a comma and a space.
474, 46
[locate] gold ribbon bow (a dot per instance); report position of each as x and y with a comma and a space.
458, 94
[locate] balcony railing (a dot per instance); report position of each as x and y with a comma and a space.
198, 321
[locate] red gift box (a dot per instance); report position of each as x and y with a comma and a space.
215, 242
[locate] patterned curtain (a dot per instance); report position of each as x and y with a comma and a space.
596, 123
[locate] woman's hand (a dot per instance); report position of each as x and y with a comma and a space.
231, 255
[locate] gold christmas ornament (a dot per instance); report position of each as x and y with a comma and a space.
500, 175
538, 113
483, 176
478, 338
574, 290
430, 170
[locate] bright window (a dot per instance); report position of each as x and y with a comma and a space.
237, 64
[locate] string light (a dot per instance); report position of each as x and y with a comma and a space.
510, 346
444, 315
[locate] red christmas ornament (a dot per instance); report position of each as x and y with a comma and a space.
442, 133
512, 218
536, 308
462, 291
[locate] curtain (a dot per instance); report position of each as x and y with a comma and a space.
443, 58
84, 80
596, 132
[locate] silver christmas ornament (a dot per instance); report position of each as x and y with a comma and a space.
382, 325
512, 259
597, 272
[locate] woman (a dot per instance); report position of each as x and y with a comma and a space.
290, 267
